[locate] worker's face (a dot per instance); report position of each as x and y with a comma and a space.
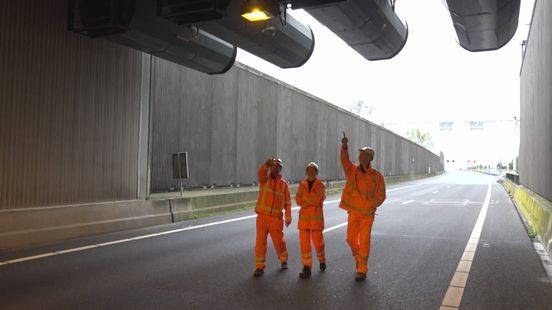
311, 173
275, 170
364, 158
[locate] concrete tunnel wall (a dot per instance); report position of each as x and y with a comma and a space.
535, 155
78, 147
230, 124
71, 112
75, 117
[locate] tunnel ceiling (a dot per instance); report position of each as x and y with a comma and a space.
204, 34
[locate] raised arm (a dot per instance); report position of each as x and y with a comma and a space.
345, 161
262, 173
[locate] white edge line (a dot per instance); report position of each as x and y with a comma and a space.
396, 189
83, 248
334, 227
475, 235
19, 260
76, 249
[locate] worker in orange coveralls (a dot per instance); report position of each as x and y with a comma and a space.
310, 197
364, 192
272, 201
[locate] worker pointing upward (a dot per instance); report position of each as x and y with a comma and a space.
364, 192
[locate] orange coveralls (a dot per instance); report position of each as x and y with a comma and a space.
363, 193
273, 200
311, 220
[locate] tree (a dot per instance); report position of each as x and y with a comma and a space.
422, 138
357, 107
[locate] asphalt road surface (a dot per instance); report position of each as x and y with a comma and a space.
419, 237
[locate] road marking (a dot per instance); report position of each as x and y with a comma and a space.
24, 259
437, 202
77, 249
334, 227
396, 189
434, 192
453, 296
544, 257
407, 202
83, 248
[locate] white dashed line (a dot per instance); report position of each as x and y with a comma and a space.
407, 202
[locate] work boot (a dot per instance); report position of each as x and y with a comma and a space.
258, 272
306, 273
360, 276
284, 266
322, 266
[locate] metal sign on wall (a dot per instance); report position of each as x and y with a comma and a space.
180, 165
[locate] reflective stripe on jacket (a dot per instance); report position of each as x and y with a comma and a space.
311, 215
274, 196
364, 191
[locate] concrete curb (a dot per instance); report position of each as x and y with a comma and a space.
487, 172
536, 211
23, 228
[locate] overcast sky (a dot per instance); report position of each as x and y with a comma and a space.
431, 79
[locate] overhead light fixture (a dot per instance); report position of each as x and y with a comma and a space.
256, 15
257, 10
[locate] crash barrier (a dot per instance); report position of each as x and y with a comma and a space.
535, 209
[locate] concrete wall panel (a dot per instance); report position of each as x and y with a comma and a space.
244, 117
535, 160
224, 127
69, 111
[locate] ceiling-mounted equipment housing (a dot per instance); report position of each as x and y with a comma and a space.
281, 40
301, 4
370, 27
134, 23
191, 11
483, 25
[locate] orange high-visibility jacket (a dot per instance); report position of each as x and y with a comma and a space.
364, 191
273, 196
311, 215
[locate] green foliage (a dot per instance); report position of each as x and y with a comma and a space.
333, 191
420, 137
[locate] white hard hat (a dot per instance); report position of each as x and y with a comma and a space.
277, 161
312, 164
368, 150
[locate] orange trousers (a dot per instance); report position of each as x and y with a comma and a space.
305, 243
359, 229
275, 227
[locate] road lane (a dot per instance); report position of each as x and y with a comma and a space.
415, 250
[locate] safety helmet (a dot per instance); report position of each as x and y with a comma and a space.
312, 164
277, 161
368, 150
